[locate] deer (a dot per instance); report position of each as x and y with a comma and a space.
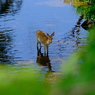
45, 39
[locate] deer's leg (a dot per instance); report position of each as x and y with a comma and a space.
45, 49
40, 53
40, 46
37, 45
37, 49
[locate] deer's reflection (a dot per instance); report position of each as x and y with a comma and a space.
43, 60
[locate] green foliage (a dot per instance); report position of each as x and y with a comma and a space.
14, 81
87, 10
79, 71
84, 7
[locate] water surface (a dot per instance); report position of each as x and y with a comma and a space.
19, 21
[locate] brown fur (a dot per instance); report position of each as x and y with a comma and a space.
44, 38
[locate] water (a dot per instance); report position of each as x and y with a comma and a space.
19, 21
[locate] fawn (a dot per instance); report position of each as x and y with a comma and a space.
45, 39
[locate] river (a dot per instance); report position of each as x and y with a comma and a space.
19, 21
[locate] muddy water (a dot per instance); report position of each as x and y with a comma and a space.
19, 21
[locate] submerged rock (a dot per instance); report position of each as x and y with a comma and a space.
87, 24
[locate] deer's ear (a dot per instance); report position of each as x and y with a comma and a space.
52, 34
47, 34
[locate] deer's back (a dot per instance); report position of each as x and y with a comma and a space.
41, 36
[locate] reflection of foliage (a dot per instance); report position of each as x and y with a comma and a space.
10, 6
5, 45
7, 7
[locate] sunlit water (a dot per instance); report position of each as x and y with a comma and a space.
20, 20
